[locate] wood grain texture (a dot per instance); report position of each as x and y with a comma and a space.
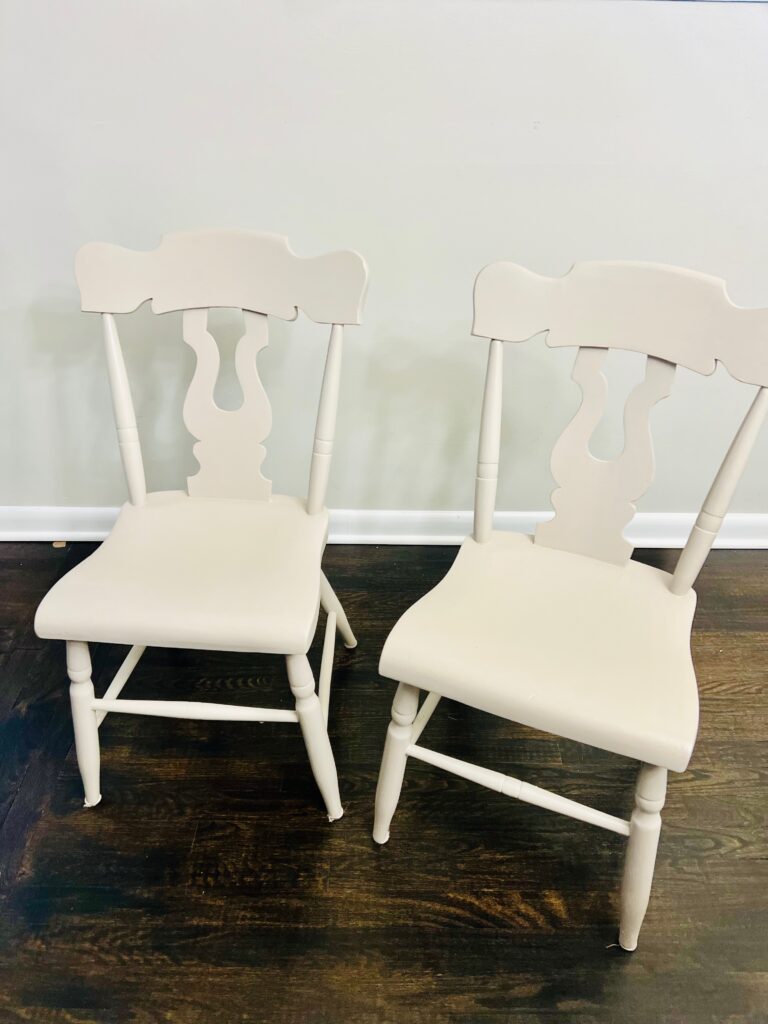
209, 887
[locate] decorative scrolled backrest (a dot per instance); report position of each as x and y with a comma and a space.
194, 272
673, 317
595, 497
229, 449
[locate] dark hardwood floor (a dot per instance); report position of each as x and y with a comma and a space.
208, 885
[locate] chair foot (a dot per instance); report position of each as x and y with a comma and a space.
640, 859
313, 728
404, 708
95, 804
84, 719
331, 603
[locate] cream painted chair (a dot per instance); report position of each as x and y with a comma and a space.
562, 631
224, 565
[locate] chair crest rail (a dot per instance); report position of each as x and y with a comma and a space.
325, 428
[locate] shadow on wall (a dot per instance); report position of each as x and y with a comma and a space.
66, 358
424, 415
421, 408
64, 382
408, 418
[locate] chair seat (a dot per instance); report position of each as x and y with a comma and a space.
594, 652
200, 573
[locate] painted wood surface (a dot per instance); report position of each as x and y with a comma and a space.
671, 315
243, 270
489, 444
229, 446
254, 272
259, 275
594, 499
325, 427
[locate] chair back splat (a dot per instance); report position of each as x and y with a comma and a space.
194, 272
673, 317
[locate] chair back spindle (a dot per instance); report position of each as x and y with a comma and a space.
325, 428
489, 445
719, 496
125, 417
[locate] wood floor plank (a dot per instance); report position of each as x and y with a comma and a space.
208, 886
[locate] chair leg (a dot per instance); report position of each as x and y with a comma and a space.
84, 719
399, 733
315, 733
331, 603
644, 830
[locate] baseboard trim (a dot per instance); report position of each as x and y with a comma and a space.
391, 526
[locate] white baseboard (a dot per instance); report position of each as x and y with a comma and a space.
55, 522
647, 530
391, 526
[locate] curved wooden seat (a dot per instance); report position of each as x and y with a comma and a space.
564, 643
185, 572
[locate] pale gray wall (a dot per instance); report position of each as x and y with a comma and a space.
432, 136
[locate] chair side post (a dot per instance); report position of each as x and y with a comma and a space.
640, 858
487, 475
718, 499
325, 428
125, 417
84, 719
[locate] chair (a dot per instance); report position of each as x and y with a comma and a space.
561, 631
224, 565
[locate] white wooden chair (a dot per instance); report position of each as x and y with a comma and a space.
225, 565
562, 632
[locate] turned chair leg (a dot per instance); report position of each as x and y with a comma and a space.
315, 733
399, 733
84, 719
644, 830
331, 603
